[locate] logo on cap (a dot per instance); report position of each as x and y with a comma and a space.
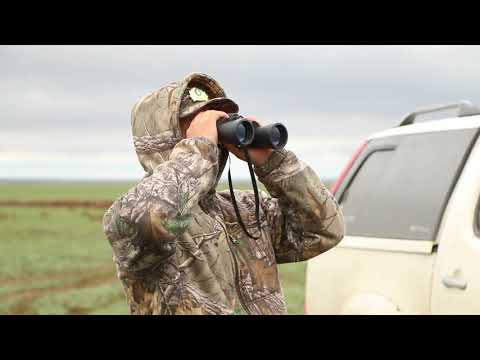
197, 94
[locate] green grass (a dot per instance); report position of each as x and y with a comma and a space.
54, 259
58, 261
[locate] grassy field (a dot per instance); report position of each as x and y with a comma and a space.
56, 260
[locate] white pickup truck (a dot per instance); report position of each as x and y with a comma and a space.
410, 197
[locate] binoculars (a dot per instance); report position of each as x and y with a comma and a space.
241, 132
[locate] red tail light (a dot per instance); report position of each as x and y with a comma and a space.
347, 168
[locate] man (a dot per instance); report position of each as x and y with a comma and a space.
177, 244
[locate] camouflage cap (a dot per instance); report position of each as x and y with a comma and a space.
196, 99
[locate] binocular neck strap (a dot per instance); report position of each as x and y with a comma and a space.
255, 190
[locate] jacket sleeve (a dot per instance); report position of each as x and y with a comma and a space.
304, 216
143, 224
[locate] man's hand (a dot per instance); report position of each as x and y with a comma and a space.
258, 156
205, 124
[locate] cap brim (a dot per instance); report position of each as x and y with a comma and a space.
220, 104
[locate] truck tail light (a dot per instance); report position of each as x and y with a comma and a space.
347, 168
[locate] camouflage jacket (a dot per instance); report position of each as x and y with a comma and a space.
177, 244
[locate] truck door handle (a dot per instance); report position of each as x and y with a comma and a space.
453, 282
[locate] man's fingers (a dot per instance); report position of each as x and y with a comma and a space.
209, 114
220, 114
254, 119
235, 151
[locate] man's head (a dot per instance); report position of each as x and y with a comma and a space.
195, 100
157, 121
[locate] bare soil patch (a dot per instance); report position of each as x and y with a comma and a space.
27, 296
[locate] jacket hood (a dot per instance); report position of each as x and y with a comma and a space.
155, 121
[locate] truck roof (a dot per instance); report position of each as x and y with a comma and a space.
454, 123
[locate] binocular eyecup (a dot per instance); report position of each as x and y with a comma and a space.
241, 132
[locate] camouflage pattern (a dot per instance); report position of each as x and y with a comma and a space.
177, 244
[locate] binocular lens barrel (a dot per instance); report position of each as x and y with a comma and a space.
273, 136
238, 131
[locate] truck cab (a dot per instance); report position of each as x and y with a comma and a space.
410, 198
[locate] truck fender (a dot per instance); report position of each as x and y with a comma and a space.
369, 304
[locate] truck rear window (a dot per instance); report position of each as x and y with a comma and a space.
401, 184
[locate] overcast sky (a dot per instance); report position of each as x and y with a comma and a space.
65, 110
